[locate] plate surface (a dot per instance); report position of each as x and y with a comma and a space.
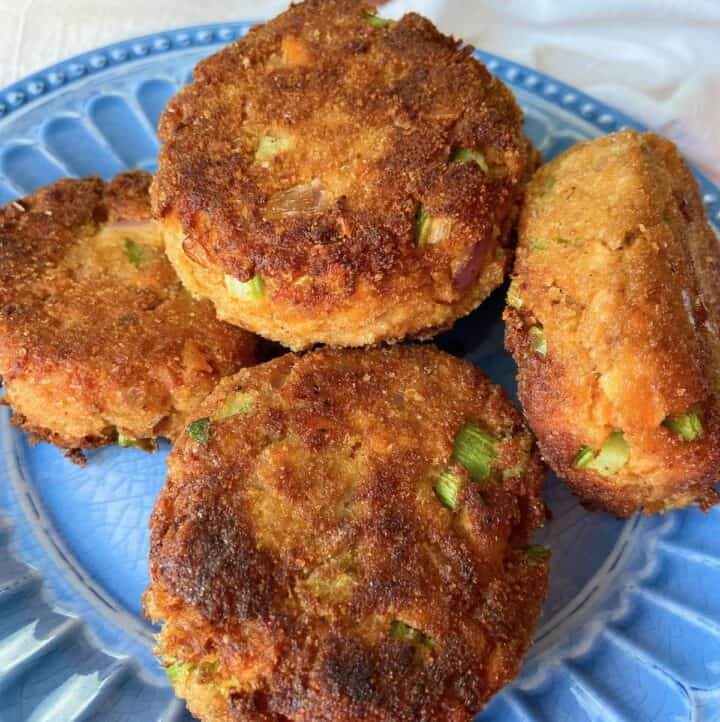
631, 628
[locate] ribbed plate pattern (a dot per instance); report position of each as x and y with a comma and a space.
631, 630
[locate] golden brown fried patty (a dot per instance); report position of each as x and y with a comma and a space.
615, 324
97, 335
305, 567
365, 176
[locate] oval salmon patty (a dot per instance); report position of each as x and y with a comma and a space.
613, 320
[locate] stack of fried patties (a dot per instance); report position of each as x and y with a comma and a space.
344, 533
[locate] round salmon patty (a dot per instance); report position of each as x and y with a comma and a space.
99, 341
337, 178
343, 535
613, 320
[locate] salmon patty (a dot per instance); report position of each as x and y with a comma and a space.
613, 320
338, 178
343, 536
99, 341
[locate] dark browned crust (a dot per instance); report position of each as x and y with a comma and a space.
103, 345
660, 261
335, 466
383, 110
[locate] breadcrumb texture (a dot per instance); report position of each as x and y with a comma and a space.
619, 265
97, 334
286, 546
303, 152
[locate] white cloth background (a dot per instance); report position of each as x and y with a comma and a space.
658, 60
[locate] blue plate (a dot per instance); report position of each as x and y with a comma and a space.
631, 628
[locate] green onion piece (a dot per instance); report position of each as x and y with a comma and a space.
447, 487
176, 671
251, 290
199, 430
134, 252
463, 155
269, 146
688, 426
400, 630
514, 471
613, 455
539, 342
235, 403
145, 444
549, 186
423, 220
584, 457
475, 450
376, 21
537, 555
513, 297
536, 245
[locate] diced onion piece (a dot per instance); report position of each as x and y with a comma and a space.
613, 455
537, 555
513, 297
236, 403
475, 450
468, 271
447, 487
269, 146
464, 155
584, 456
305, 200
376, 21
199, 430
539, 342
439, 231
196, 253
251, 290
688, 426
